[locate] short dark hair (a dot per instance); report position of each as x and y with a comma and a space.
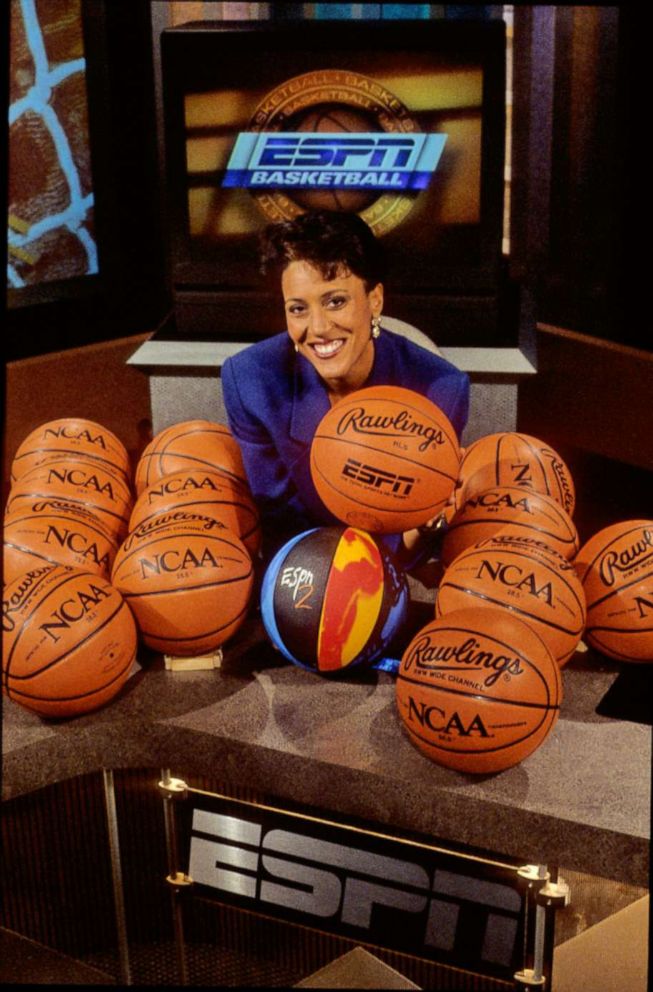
330, 240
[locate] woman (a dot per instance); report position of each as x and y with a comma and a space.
277, 391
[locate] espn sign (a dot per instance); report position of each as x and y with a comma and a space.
306, 160
451, 908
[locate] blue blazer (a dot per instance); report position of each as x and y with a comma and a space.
275, 400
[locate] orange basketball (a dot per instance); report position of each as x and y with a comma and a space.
188, 582
385, 459
71, 437
616, 569
49, 531
511, 459
478, 690
190, 444
69, 641
507, 509
79, 482
205, 493
536, 585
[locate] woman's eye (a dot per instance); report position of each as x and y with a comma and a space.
296, 310
336, 302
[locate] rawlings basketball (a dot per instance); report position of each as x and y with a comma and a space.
478, 690
207, 494
538, 586
616, 568
191, 444
385, 459
80, 482
69, 641
519, 460
70, 437
509, 510
188, 580
52, 532
333, 598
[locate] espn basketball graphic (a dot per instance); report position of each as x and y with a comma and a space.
334, 139
332, 598
478, 690
385, 459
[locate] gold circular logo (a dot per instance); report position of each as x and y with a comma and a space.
334, 100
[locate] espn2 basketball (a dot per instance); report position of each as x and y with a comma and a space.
188, 580
510, 510
385, 459
478, 691
615, 567
70, 437
333, 598
508, 458
190, 444
534, 584
69, 641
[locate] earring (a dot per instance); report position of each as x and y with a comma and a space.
296, 347
376, 326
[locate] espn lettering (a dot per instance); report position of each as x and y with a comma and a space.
401, 485
357, 161
346, 885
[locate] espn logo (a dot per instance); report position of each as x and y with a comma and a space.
378, 478
357, 161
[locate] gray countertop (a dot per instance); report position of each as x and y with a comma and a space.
580, 801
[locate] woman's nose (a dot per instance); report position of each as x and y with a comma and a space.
319, 320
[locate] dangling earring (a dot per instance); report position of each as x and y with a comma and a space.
296, 347
376, 326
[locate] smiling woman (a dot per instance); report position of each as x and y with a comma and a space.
331, 271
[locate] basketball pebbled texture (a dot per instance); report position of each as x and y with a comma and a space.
385, 459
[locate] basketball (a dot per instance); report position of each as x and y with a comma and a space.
333, 119
478, 691
188, 580
510, 510
540, 589
332, 598
207, 494
615, 567
79, 482
385, 459
69, 641
511, 459
50, 532
70, 437
190, 444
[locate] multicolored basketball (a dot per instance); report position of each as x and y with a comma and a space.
52, 532
539, 586
69, 641
80, 482
509, 510
616, 568
206, 493
188, 580
511, 459
191, 444
70, 437
385, 459
478, 690
333, 598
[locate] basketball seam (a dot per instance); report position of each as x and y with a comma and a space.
378, 451
509, 606
475, 695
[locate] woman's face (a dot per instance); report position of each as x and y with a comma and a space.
330, 323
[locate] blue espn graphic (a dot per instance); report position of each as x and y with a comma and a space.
376, 160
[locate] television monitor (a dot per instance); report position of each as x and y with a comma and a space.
401, 121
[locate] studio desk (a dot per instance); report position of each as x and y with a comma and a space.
580, 801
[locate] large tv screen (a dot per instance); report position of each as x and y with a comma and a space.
402, 122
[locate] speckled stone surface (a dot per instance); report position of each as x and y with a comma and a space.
581, 800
